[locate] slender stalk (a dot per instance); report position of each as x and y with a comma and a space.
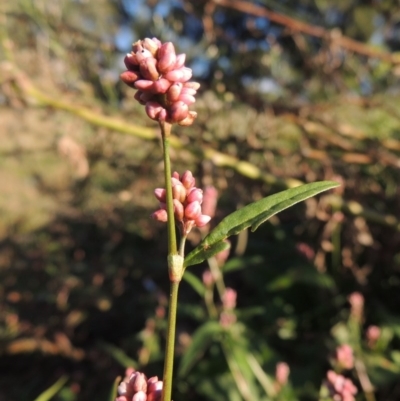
174, 284
166, 133
170, 345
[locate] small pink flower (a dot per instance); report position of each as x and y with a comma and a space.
356, 301
208, 279
372, 334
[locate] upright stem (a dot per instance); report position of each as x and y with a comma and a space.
173, 257
165, 133
170, 345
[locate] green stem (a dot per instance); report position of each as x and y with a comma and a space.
174, 261
169, 352
166, 133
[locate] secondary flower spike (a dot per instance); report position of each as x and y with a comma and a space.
187, 203
161, 78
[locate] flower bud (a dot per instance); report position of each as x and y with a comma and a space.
193, 210
151, 46
178, 210
160, 194
131, 62
160, 86
196, 194
137, 97
180, 61
189, 119
129, 77
188, 99
188, 91
166, 57
160, 215
144, 84
153, 110
210, 198
174, 91
192, 85
175, 175
143, 54
181, 75
140, 396
188, 180
148, 69
179, 192
122, 388
178, 111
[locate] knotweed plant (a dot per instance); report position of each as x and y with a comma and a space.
164, 88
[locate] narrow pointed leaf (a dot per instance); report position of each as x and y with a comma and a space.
195, 283
114, 389
52, 390
194, 258
201, 339
253, 215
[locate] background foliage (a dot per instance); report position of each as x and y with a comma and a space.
291, 91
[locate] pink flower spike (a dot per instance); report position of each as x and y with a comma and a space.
178, 111
188, 99
188, 180
143, 84
196, 194
202, 220
160, 215
161, 86
160, 194
153, 110
166, 57
193, 210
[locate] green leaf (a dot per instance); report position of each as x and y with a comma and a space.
195, 283
252, 216
114, 389
118, 354
202, 337
53, 390
194, 258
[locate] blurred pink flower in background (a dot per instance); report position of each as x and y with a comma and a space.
345, 357
341, 389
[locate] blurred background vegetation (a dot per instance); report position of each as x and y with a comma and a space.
292, 91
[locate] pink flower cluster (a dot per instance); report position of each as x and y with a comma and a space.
187, 203
341, 389
136, 387
227, 316
161, 78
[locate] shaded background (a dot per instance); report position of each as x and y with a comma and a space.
291, 91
